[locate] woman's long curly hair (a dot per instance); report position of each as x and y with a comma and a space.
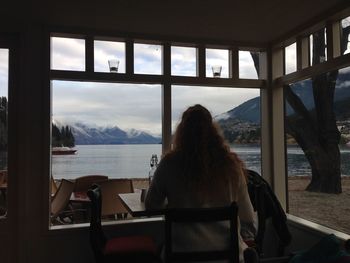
206, 156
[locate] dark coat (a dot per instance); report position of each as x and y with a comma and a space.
267, 206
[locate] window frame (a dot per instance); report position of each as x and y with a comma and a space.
166, 80
273, 151
335, 61
11, 42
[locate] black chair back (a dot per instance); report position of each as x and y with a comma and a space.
202, 215
97, 237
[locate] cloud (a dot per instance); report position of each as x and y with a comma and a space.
67, 53
217, 100
217, 57
344, 84
246, 66
345, 22
124, 105
344, 70
105, 50
4, 58
147, 59
134, 105
291, 58
183, 61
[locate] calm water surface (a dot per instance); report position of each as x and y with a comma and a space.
132, 161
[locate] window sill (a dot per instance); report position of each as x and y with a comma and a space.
108, 224
311, 226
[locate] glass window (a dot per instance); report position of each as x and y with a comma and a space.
217, 63
113, 128
318, 148
148, 59
247, 68
318, 47
345, 37
236, 110
290, 58
108, 54
4, 72
183, 61
67, 53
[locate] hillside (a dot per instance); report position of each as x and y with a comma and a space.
242, 123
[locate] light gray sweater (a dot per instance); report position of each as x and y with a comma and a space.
168, 188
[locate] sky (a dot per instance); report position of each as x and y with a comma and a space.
135, 105
3, 71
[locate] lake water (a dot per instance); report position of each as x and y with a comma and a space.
132, 161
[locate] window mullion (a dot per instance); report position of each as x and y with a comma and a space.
89, 54
201, 61
233, 64
129, 57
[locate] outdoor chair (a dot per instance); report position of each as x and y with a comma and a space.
83, 183
187, 216
118, 249
3, 192
60, 201
54, 187
111, 204
3, 177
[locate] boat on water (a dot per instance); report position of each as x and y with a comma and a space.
63, 150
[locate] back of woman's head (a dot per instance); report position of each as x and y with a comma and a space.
195, 128
204, 151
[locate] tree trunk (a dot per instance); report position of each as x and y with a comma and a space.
324, 158
325, 171
315, 130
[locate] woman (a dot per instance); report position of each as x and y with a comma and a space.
200, 171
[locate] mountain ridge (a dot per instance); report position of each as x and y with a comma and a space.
85, 134
241, 124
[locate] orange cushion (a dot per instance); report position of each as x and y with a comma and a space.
132, 244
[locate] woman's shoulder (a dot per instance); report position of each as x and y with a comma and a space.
171, 158
169, 166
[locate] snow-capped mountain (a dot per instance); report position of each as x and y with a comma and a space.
92, 134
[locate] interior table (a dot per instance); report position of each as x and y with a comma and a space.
134, 205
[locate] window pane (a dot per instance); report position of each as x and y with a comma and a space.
4, 68
318, 47
291, 58
345, 24
105, 51
318, 149
183, 61
247, 69
67, 54
148, 59
217, 59
116, 129
236, 110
